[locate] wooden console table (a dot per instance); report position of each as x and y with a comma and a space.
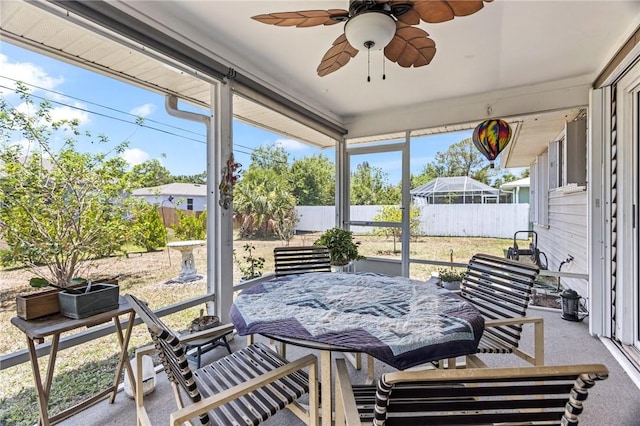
37, 330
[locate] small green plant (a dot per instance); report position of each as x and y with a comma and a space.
250, 266
451, 275
39, 282
342, 248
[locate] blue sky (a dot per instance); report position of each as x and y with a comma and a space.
108, 106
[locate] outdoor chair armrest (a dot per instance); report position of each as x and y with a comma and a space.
141, 412
346, 409
537, 358
513, 321
209, 333
182, 415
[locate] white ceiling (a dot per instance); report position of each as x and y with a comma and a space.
511, 59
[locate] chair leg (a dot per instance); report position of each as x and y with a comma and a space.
142, 417
198, 356
226, 344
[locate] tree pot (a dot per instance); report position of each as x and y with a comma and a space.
80, 303
451, 285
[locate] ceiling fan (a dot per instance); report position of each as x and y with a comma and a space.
378, 24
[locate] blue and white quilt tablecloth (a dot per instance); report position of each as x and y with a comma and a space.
399, 321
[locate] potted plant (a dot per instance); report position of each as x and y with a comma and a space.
61, 208
82, 298
451, 278
250, 266
342, 248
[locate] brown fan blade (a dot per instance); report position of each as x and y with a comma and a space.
340, 53
434, 11
302, 18
410, 47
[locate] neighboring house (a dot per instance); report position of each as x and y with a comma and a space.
183, 196
519, 190
454, 190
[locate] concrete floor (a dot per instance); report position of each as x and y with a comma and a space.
614, 401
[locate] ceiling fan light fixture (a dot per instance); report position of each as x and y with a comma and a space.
370, 30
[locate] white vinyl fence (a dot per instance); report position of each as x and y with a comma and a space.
451, 220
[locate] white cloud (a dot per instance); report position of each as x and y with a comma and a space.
69, 113
135, 156
61, 112
26, 145
25, 71
143, 110
291, 145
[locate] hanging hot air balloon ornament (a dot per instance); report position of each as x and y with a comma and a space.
491, 137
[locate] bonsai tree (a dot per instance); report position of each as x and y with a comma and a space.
60, 208
342, 248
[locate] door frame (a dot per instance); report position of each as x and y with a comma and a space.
343, 215
628, 288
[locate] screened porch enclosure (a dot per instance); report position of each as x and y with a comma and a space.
214, 58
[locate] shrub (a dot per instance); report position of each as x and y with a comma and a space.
148, 231
189, 227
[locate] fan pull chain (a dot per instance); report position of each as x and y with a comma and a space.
368, 65
384, 72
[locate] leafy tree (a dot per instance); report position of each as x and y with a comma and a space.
60, 208
270, 157
525, 173
429, 173
200, 178
313, 181
262, 197
460, 159
369, 186
150, 173
189, 227
504, 178
394, 214
148, 230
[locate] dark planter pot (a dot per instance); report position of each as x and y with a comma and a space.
100, 298
451, 285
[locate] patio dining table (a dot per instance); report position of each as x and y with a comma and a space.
399, 321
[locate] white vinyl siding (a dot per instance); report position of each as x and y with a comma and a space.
567, 235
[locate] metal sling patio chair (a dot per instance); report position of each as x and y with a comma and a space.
501, 290
245, 387
301, 260
549, 395
294, 260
